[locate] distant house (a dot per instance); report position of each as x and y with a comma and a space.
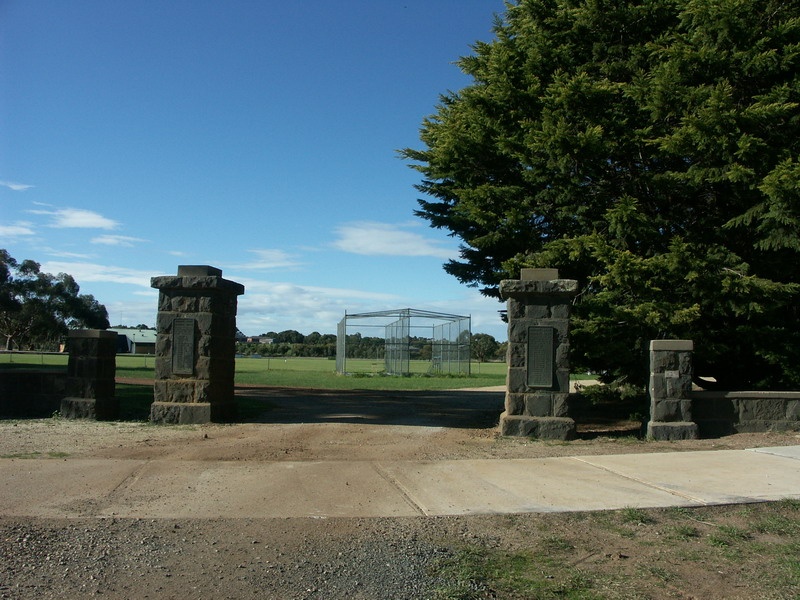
135, 341
260, 339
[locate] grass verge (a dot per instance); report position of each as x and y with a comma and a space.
36, 455
740, 551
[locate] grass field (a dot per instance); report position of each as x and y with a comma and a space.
318, 373
365, 374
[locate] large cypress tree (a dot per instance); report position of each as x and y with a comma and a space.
648, 149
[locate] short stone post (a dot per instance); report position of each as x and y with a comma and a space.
91, 370
195, 346
670, 391
537, 385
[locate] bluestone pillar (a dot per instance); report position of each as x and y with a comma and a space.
670, 390
537, 385
195, 346
91, 372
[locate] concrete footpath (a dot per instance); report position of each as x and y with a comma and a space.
213, 489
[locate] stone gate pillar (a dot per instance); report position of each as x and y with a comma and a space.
91, 372
537, 385
670, 391
195, 346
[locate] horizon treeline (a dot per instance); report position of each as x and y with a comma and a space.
293, 343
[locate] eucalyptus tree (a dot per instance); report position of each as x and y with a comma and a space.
38, 309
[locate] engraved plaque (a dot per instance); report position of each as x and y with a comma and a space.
183, 346
540, 357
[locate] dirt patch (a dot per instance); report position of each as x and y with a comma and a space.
323, 441
360, 425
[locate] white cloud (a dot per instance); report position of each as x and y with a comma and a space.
133, 312
269, 305
77, 218
85, 271
17, 187
19, 228
272, 305
268, 258
484, 311
277, 306
296, 295
73, 255
116, 240
373, 238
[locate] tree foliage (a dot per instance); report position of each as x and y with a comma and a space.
483, 347
37, 309
648, 149
293, 343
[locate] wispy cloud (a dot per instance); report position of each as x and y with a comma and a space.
61, 254
268, 258
139, 307
17, 187
20, 228
484, 311
116, 240
73, 255
277, 306
271, 305
86, 271
372, 238
294, 292
64, 218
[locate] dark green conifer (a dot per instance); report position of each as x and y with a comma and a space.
648, 149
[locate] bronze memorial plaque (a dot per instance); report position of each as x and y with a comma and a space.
540, 357
183, 346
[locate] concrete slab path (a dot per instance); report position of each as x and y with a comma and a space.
213, 489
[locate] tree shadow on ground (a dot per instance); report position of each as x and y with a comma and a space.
452, 408
609, 428
457, 408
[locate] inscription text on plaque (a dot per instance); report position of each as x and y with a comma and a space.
540, 357
183, 346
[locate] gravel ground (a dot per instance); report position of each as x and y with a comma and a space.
271, 558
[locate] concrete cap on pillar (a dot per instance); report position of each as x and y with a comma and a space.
672, 345
198, 271
538, 274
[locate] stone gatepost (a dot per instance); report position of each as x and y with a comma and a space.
195, 346
670, 391
91, 370
537, 385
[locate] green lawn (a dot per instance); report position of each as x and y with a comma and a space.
319, 373
32, 360
366, 374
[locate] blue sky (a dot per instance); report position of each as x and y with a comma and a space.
259, 137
